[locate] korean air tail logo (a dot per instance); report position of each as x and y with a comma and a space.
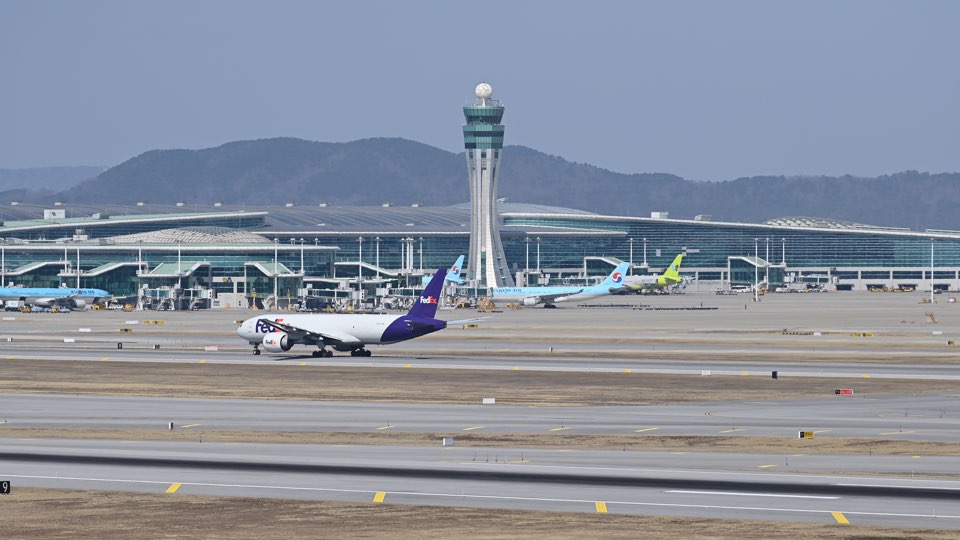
455, 269
616, 277
428, 300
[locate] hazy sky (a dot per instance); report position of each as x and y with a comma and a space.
709, 90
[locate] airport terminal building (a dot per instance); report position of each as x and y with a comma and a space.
229, 256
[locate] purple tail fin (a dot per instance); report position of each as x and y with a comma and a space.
428, 302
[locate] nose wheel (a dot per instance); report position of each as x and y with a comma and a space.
256, 350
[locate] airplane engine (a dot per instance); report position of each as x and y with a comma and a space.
276, 342
78, 303
532, 301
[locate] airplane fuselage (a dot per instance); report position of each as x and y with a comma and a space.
366, 329
558, 294
47, 296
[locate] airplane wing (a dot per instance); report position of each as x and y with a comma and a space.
467, 321
300, 334
551, 298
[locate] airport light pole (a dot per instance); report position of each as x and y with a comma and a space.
526, 266
756, 270
421, 255
784, 253
78, 267
377, 257
931, 269
276, 271
538, 254
3, 266
360, 261
645, 253
631, 240
302, 270
766, 265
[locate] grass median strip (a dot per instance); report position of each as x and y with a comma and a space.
667, 443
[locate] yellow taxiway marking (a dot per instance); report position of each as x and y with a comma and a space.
601, 507
471, 428
517, 461
561, 428
105, 359
627, 370
190, 425
516, 368
897, 432
381, 428
645, 429
744, 373
406, 365
765, 466
733, 429
303, 363
841, 519
378, 498
866, 375
202, 362
11, 357
173, 487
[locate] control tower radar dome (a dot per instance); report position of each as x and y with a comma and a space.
484, 91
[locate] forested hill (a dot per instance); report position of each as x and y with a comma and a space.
374, 171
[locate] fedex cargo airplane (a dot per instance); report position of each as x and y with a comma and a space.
347, 332
531, 296
54, 297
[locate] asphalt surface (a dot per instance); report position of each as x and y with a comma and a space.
706, 485
927, 417
831, 335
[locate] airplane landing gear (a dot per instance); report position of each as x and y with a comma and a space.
360, 352
322, 353
256, 349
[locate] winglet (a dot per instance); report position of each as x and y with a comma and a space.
428, 302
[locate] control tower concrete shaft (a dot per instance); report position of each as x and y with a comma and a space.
483, 141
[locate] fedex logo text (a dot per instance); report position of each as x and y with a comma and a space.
428, 300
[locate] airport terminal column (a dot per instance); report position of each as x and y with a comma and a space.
631, 240
756, 270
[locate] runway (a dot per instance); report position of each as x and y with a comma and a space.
706, 485
391, 357
929, 417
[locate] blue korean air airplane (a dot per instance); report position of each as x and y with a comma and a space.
548, 296
453, 274
50, 297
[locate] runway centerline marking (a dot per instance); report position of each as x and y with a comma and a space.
471, 428
462, 495
745, 494
841, 519
645, 429
173, 487
378, 498
601, 507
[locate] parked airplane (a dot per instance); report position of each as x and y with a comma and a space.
341, 332
453, 274
548, 296
54, 297
656, 282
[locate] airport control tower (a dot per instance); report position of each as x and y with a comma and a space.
483, 140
